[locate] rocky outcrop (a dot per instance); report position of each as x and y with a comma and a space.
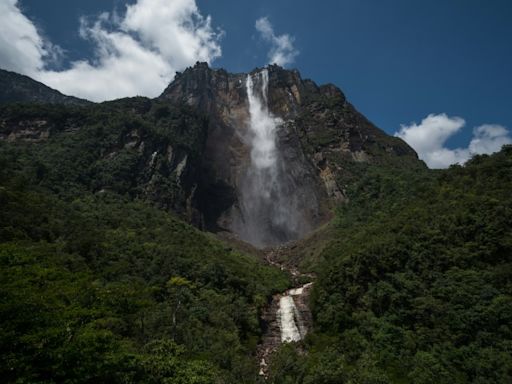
24, 130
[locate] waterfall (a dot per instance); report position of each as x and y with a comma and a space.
286, 315
291, 324
263, 128
268, 201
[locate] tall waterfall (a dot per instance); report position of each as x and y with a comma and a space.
269, 201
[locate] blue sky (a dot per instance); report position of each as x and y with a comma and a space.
446, 65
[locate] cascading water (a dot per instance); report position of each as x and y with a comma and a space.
269, 203
276, 203
287, 315
289, 323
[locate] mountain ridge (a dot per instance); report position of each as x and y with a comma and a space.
15, 87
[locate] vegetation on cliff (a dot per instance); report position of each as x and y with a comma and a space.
103, 281
415, 286
100, 286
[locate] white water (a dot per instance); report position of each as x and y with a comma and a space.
299, 291
286, 316
270, 210
263, 126
290, 322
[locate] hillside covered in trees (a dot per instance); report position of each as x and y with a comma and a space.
109, 275
415, 285
100, 285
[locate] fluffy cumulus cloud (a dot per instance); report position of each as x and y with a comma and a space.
489, 138
282, 51
136, 53
22, 49
429, 138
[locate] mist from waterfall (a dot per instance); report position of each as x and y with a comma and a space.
269, 202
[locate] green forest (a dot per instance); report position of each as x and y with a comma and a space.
417, 285
105, 287
103, 280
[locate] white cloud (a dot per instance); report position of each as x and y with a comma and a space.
429, 137
136, 53
282, 51
489, 138
22, 49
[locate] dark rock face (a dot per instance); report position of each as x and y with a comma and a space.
190, 150
16, 88
320, 138
223, 98
27, 130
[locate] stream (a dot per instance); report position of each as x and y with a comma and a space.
287, 318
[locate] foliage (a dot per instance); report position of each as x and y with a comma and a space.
129, 146
100, 286
417, 286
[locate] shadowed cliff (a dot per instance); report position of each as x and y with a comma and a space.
321, 140
191, 150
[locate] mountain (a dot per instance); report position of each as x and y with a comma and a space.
414, 283
16, 88
101, 278
322, 144
190, 237
191, 149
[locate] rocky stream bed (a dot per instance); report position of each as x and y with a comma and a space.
287, 318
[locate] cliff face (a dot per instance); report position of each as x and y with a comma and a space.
320, 140
194, 150
222, 98
227, 156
